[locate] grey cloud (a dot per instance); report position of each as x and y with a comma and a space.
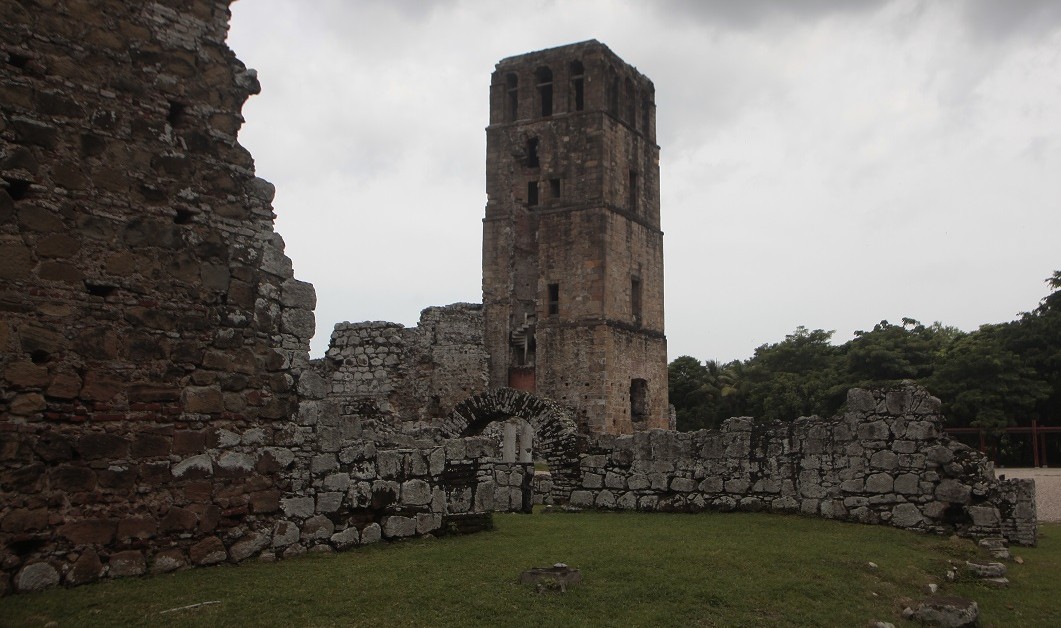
1002, 20
749, 14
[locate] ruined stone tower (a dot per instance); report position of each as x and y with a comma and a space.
572, 247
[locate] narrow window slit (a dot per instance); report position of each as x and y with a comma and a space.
554, 188
554, 300
532, 193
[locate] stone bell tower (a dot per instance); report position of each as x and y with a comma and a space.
572, 246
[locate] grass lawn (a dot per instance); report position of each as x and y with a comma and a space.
639, 569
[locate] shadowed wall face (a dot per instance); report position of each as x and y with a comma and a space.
152, 331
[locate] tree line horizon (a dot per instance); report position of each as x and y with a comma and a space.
1000, 375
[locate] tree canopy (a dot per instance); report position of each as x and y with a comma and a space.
998, 375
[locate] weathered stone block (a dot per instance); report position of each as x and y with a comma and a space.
318, 527
906, 516
127, 563
136, 528
300, 507
251, 544
880, 483
36, 576
87, 568
285, 533
984, 516
208, 551
416, 492
346, 538
953, 491
168, 560
397, 526
203, 400
90, 531
886, 460
329, 502
372, 533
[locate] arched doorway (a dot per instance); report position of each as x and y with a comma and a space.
555, 432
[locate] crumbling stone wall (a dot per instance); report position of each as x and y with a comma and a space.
152, 332
384, 374
883, 461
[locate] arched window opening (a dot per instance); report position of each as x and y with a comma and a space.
545, 90
511, 97
578, 85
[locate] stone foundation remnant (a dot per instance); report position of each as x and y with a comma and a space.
158, 409
884, 460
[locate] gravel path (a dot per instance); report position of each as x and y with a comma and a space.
1047, 490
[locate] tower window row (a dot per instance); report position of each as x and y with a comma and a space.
621, 97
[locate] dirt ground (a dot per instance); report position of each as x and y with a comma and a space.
1047, 490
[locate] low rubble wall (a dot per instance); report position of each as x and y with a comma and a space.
884, 461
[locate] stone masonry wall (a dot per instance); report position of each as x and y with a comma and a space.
152, 334
885, 461
384, 374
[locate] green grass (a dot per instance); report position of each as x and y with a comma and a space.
638, 569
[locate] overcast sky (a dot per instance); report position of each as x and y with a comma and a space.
823, 163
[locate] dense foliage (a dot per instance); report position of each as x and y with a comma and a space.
999, 375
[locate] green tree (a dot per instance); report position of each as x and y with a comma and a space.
802, 375
984, 384
1036, 337
690, 393
890, 353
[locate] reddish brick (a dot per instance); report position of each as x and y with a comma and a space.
24, 520
209, 516
178, 519
87, 568
148, 445
136, 528
199, 491
265, 501
209, 551
118, 477
188, 442
101, 445
72, 478
89, 531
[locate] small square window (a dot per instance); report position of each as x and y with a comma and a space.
554, 188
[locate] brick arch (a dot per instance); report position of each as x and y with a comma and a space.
556, 433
